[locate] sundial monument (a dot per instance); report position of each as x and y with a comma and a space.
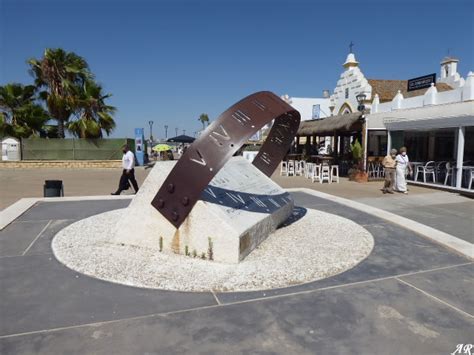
210, 203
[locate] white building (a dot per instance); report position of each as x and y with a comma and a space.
435, 123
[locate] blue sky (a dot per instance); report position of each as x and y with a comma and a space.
170, 61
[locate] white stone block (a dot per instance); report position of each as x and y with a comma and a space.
236, 212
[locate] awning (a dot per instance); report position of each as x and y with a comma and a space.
182, 139
430, 117
334, 124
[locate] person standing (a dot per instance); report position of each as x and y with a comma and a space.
128, 173
403, 168
389, 163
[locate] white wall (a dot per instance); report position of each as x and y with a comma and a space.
305, 106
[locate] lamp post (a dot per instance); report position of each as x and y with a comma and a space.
151, 130
166, 131
360, 99
176, 131
184, 132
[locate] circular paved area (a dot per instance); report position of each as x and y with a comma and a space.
292, 255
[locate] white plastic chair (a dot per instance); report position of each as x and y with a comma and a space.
449, 173
308, 170
427, 169
316, 173
372, 170
471, 179
325, 174
335, 173
284, 168
291, 167
299, 167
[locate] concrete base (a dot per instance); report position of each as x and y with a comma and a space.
237, 211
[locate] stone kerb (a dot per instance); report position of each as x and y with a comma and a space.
239, 209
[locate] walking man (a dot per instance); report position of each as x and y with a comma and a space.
128, 173
389, 163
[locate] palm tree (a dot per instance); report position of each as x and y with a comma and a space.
94, 115
20, 116
63, 74
204, 118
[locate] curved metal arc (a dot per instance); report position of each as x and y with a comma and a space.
209, 153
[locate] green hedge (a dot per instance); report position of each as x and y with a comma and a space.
74, 149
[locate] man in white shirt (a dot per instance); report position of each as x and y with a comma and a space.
128, 174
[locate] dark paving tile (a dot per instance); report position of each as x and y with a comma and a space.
38, 292
309, 201
396, 251
70, 209
454, 286
384, 317
17, 236
43, 244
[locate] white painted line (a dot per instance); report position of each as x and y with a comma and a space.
12, 212
435, 298
458, 245
215, 296
36, 238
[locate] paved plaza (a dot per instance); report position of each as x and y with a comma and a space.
409, 296
448, 212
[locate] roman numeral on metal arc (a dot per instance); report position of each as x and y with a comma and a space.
218, 143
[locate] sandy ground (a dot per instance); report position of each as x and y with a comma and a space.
18, 183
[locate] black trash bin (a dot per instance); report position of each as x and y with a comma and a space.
53, 188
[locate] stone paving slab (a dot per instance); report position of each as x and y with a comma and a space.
386, 317
70, 209
49, 309
16, 237
397, 251
454, 286
40, 293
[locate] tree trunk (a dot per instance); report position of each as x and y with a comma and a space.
61, 129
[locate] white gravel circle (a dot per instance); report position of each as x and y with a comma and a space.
314, 247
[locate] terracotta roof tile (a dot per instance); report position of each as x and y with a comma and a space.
387, 89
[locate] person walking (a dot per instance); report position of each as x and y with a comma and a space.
389, 163
128, 173
403, 168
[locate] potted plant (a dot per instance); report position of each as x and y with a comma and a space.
357, 173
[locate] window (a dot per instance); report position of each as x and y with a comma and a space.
347, 93
316, 112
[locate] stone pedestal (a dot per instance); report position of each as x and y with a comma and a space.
236, 212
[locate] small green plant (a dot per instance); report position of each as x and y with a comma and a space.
161, 244
203, 256
356, 149
210, 251
195, 253
186, 250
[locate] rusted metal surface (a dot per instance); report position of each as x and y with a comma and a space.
208, 154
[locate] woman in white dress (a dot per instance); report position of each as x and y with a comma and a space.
403, 168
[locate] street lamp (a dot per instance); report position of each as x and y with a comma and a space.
151, 128
166, 131
360, 99
184, 132
176, 131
